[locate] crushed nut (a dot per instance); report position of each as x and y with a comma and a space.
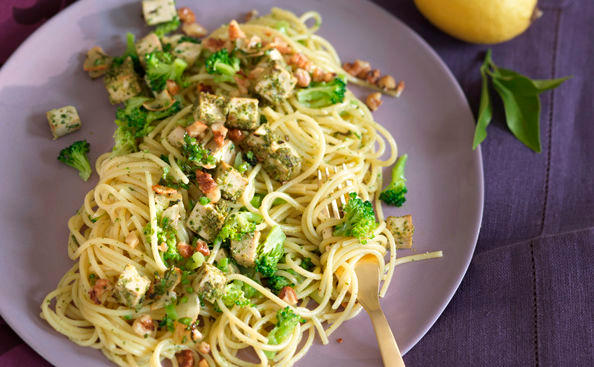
339, 340
234, 31
144, 325
185, 250
99, 290
220, 132
202, 247
196, 129
236, 135
399, 88
164, 190
288, 295
386, 82
194, 30
357, 67
303, 77
214, 44
320, 75
186, 15
281, 45
185, 358
204, 348
251, 15
208, 186
162, 247
374, 100
172, 87
371, 76
300, 61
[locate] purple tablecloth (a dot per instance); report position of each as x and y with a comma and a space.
527, 298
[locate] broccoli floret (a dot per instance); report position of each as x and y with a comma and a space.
307, 264
359, 219
195, 154
167, 234
234, 295
270, 252
238, 224
130, 52
134, 121
286, 320
323, 94
161, 67
223, 64
278, 282
75, 156
394, 193
168, 27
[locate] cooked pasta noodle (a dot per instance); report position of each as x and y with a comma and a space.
341, 147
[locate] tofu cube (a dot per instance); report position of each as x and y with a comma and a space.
402, 229
131, 286
230, 181
147, 45
188, 52
210, 283
245, 250
97, 62
158, 11
122, 82
226, 153
242, 113
63, 121
211, 109
206, 221
278, 158
275, 83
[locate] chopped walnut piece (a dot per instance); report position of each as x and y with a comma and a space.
162, 246
204, 348
194, 30
357, 67
399, 88
236, 135
186, 15
185, 358
300, 61
196, 129
234, 31
371, 76
164, 190
144, 325
281, 45
220, 132
339, 340
303, 77
185, 250
374, 100
214, 44
386, 82
172, 87
288, 295
320, 75
208, 186
202, 247
99, 289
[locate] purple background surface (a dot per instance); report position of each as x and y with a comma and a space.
527, 297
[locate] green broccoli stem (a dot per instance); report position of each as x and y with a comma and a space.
82, 164
398, 169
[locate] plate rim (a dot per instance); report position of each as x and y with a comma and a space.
479, 205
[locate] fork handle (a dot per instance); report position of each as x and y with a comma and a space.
385, 339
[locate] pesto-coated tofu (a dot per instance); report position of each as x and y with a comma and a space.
122, 82
147, 45
242, 113
209, 283
275, 83
63, 121
187, 51
245, 250
158, 11
97, 62
402, 229
210, 108
230, 181
225, 153
206, 221
131, 286
278, 158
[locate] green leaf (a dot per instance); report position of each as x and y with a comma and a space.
522, 110
548, 84
486, 108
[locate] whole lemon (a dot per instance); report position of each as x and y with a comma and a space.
480, 21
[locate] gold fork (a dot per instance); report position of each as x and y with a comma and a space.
368, 276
